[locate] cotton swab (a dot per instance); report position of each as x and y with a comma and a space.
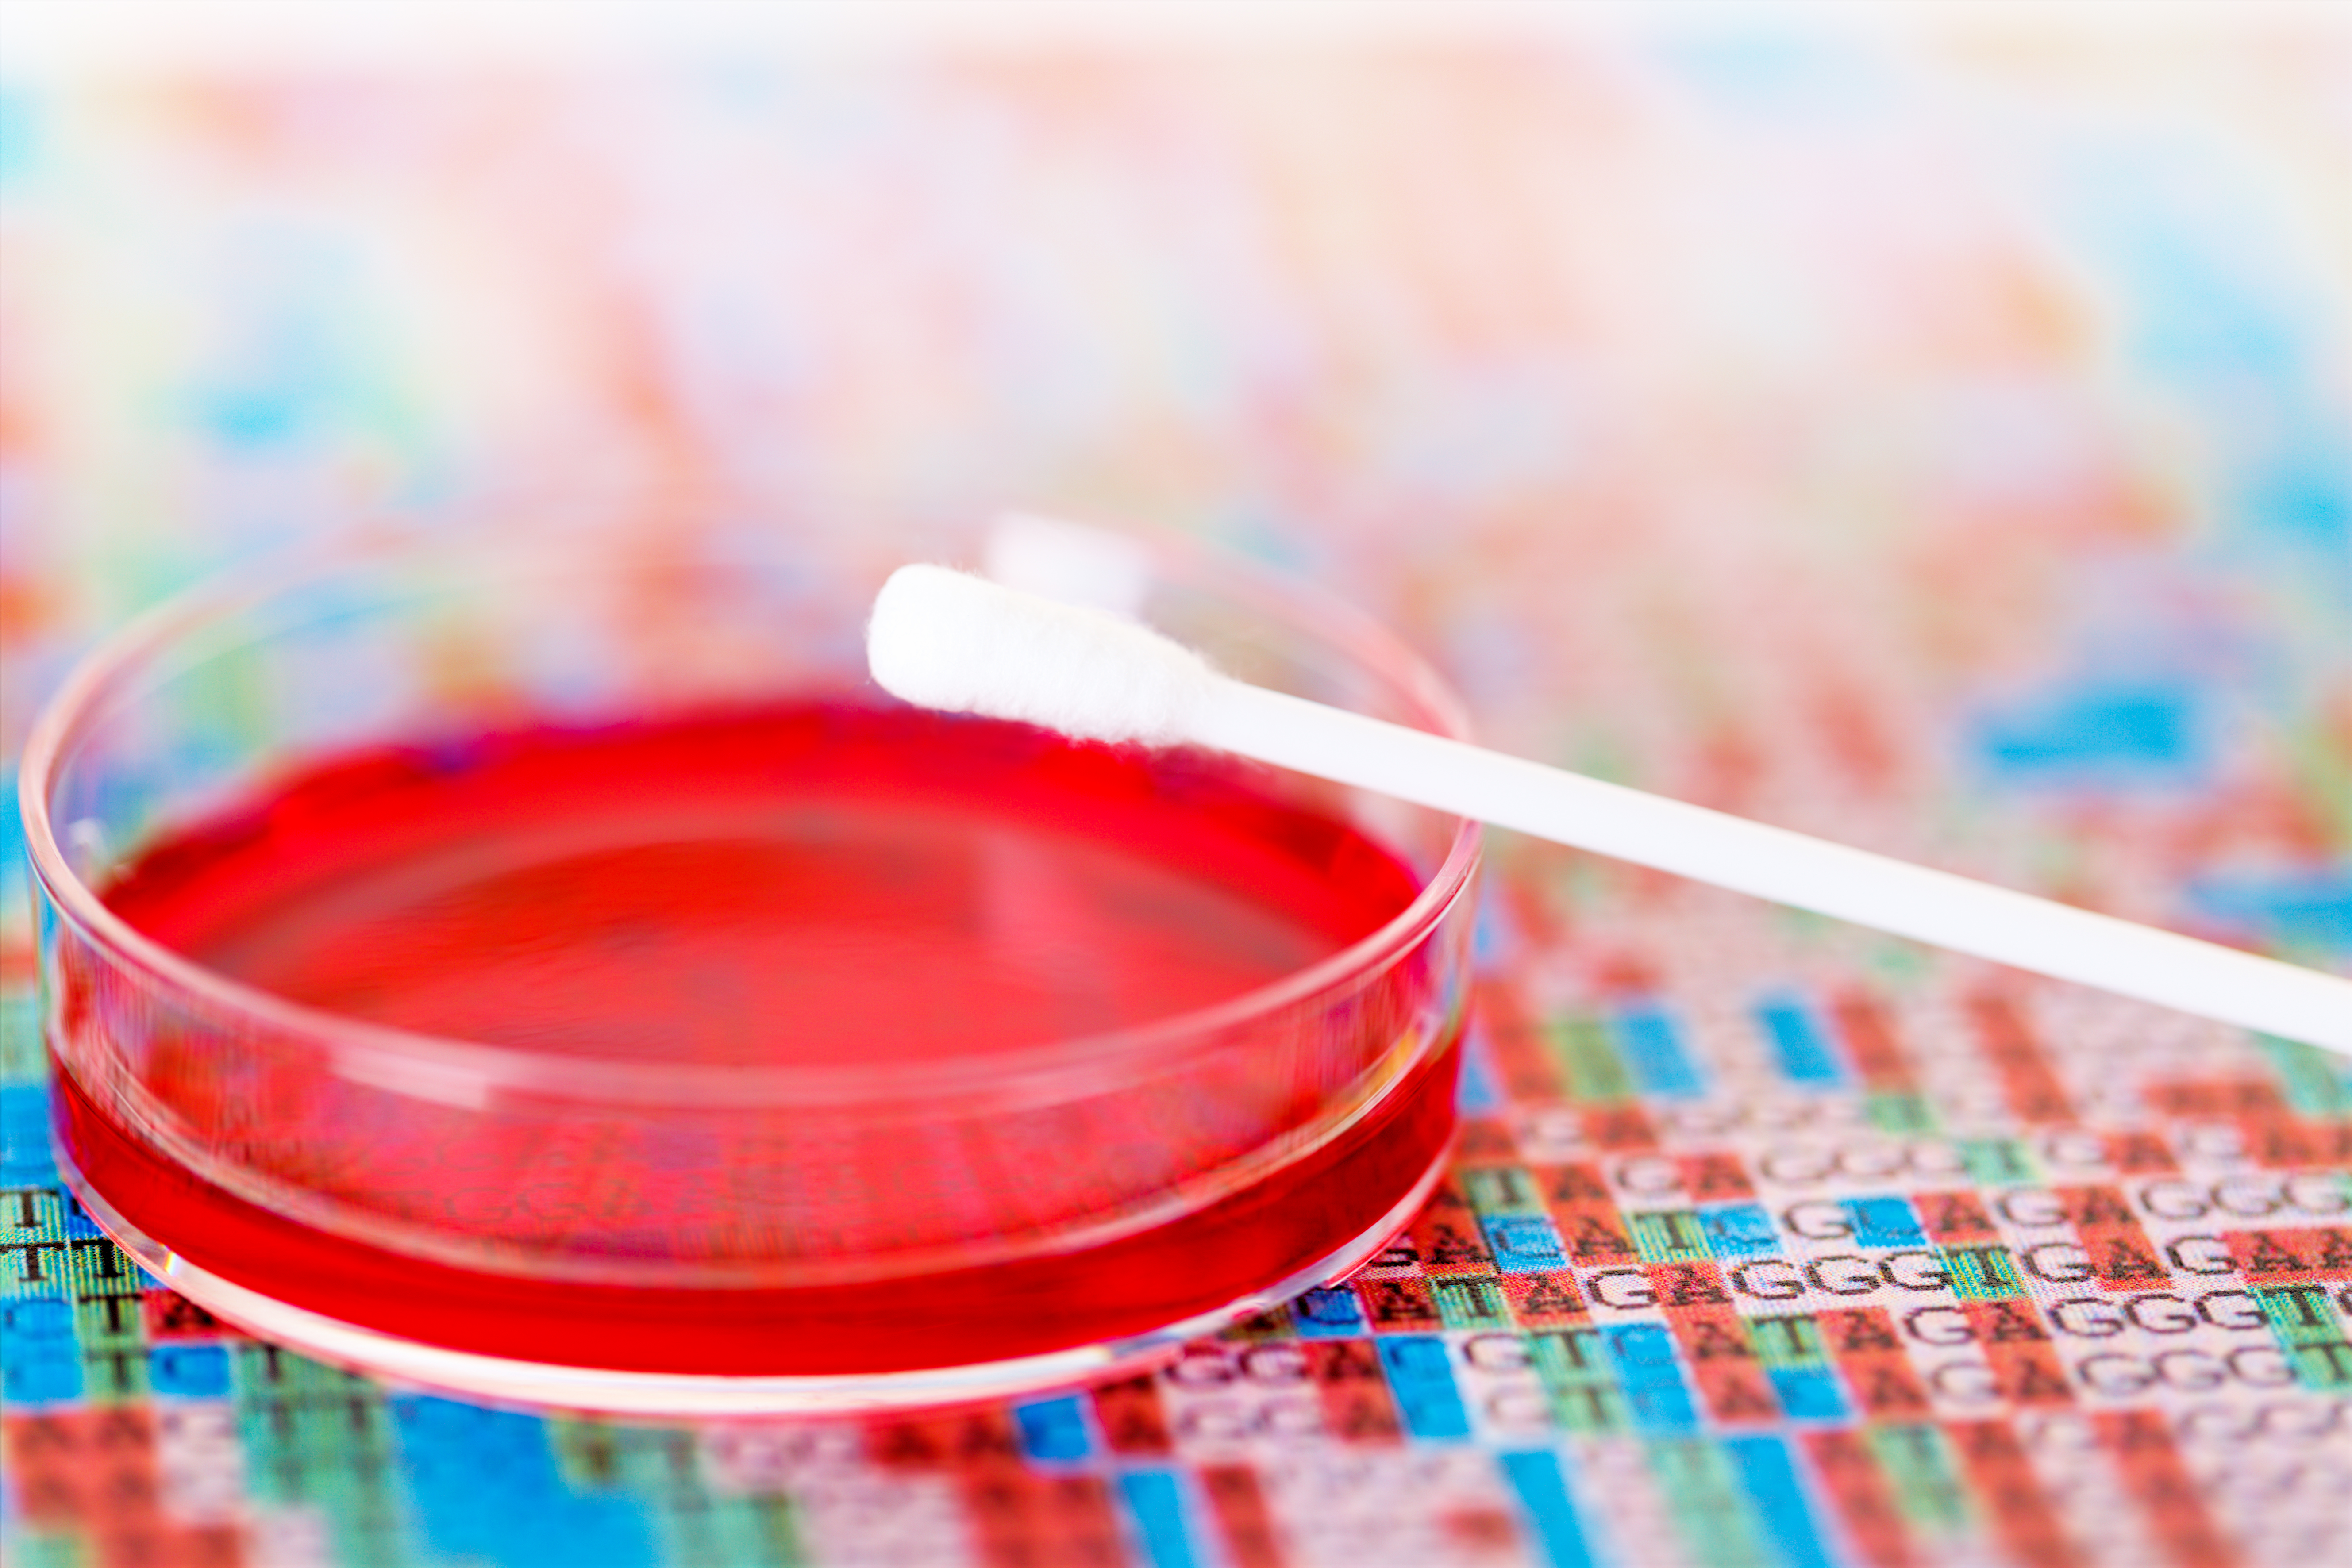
945, 639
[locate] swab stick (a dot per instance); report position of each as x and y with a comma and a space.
945, 639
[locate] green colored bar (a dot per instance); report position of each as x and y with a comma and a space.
1789, 1342
116, 1375
2298, 1314
1998, 1162
1501, 1189
22, 1060
1925, 1483
2313, 1083
1707, 1502
41, 1549
2325, 1364
1587, 1059
110, 1322
1981, 1273
1899, 1113
1470, 1304
1576, 1377
1669, 1236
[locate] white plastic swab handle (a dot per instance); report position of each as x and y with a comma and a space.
1933, 906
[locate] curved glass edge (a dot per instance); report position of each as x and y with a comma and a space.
541, 1386
1206, 1188
408, 1061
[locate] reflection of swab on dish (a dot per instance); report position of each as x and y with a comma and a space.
945, 639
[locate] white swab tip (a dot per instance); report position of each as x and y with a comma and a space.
947, 640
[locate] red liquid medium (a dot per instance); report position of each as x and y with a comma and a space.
831, 885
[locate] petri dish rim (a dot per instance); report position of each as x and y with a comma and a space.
469, 1071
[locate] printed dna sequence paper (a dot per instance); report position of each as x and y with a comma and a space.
1938, 449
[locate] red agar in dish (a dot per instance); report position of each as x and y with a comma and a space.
827, 885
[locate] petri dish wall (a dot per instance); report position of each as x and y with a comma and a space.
800, 1217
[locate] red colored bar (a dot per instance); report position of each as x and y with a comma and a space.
1525, 1068
1856, 1483
2023, 1362
1585, 1214
1020, 1521
1446, 1235
1871, 1045
2121, 1255
1242, 1517
2318, 1254
2149, 1460
2035, 1092
1132, 1418
2015, 1503
1863, 1343
1357, 1405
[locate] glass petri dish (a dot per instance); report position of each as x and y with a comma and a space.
550, 972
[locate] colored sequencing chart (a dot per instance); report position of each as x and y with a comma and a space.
1934, 447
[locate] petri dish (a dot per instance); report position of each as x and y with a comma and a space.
550, 971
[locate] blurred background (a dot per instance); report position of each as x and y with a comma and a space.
1771, 409
1928, 426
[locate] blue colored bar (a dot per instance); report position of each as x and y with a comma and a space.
1809, 1394
1663, 1411
1158, 1507
1493, 933
79, 1227
2310, 907
1328, 1314
1475, 1095
1883, 1221
46, 1376
1653, 1049
34, 1318
1766, 1470
1739, 1230
1534, 1476
1421, 1379
2097, 733
1644, 1354
1524, 1243
40, 1359
1805, 1053
1053, 1429
24, 1159
484, 1487
188, 1371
